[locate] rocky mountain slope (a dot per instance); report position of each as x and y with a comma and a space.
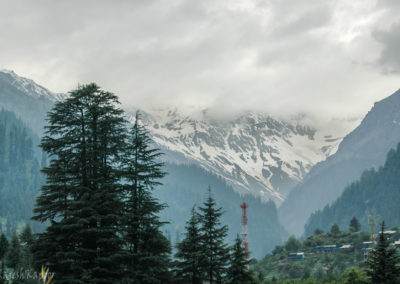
26, 99
364, 148
375, 193
183, 187
253, 152
186, 185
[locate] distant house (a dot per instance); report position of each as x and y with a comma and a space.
397, 244
388, 233
367, 245
326, 248
296, 256
346, 247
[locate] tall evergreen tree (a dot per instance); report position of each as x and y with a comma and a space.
190, 251
2, 146
354, 225
27, 240
147, 259
213, 241
238, 271
3, 252
81, 198
14, 256
292, 244
383, 261
335, 230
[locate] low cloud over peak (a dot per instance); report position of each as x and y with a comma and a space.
329, 59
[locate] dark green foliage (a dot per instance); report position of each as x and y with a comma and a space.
318, 232
81, 199
335, 230
213, 241
355, 225
317, 267
14, 254
383, 262
355, 276
376, 193
20, 176
278, 250
3, 252
180, 190
147, 260
189, 251
27, 240
238, 271
103, 220
292, 244
16, 258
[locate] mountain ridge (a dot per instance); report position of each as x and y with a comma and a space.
356, 200
30, 87
365, 147
253, 152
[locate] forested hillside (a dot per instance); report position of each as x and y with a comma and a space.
324, 258
20, 177
363, 148
26, 102
377, 193
186, 185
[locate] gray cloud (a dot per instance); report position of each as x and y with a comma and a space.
388, 36
278, 56
390, 56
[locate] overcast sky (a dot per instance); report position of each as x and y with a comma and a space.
331, 58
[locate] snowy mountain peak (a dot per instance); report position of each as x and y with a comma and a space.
252, 151
29, 87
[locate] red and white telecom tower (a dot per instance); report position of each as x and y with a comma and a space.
244, 233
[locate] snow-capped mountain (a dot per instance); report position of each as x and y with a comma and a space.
28, 100
253, 152
29, 87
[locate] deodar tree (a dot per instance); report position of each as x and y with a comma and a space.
190, 251
81, 199
147, 258
215, 249
384, 261
238, 271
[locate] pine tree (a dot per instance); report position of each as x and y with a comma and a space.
292, 244
189, 251
215, 249
3, 252
14, 255
335, 230
354, 225
383, 261
238, 272
2, 146
81, 198
147, 259
27, 240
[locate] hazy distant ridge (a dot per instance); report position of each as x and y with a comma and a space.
363, 148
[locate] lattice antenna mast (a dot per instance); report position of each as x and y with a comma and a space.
244, 232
